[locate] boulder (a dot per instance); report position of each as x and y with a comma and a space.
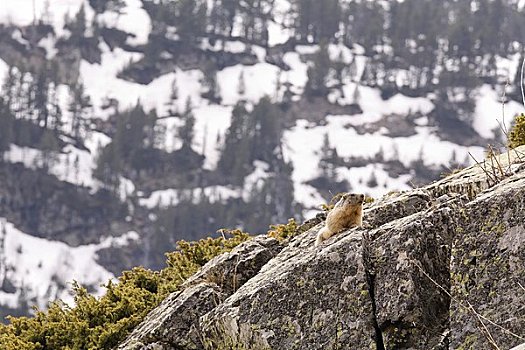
172, 325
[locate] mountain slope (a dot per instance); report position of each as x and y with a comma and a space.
418, 275
246, 113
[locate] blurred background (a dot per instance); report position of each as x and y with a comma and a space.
127, 125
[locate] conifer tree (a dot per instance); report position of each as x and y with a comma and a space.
325, 162
268, 121
50, 147
186, 132
9, 88
318, 73
339, 67
80, 108
173, 109
241, 86
78, 25
236, 156
356, 96
6, 128
191, 19
55, 111
209, 82
40, 87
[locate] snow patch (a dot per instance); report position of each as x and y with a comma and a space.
4, 68
212, 122
254, 181
297, 75
303, 142
279, 27
132, 19
42, 267
260, 80
24, 12
171, 197
490, 112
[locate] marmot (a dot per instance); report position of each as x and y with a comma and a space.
347, 212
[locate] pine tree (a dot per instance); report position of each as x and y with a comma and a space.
356, 96
372, 180
278, 85
78, 25
173, 109
339, 67
23, 107
186, 131
80, 109
229, 12
50, 147
109, 166
6, 128
241, 86
150, 130
191, 19
55, 111
318, 73
209, 82
236, 156
268, 121
352, 70
282, 194
325, 161
9, 87
40, 87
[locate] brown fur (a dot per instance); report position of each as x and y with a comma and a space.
348, 212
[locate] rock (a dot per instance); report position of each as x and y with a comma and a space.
434, 268
488, 269
321, 296
479, 177
395, 206
169, 326
406, 255
231, 270
172, 324
352, 293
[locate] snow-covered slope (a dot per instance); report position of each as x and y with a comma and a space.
43, 270
37, 266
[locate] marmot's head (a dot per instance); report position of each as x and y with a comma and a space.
353, 198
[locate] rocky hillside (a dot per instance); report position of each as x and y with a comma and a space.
128, 125
438, 267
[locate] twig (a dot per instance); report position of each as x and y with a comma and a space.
519, 154
500, 168
471, 308
482, 168
519, 284
485, 329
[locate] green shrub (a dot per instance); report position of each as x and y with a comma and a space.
102, 323
284, 231
517, 133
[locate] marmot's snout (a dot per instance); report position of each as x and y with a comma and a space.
354, 198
